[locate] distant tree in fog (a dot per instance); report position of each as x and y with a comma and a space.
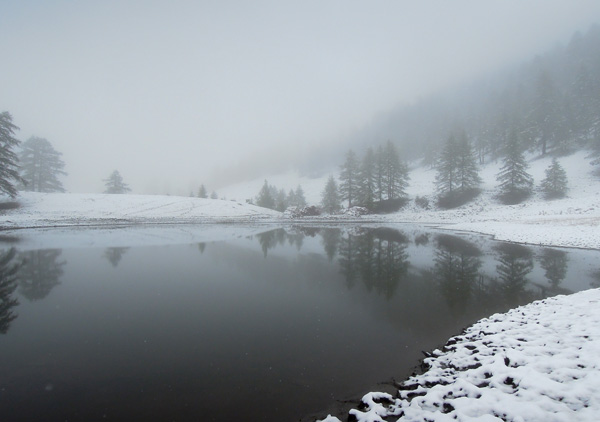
554, 184
349, 179
281, 201
40, 166
8, 158
515, 183
115, 184
214, 195
297, 199
330, 197
202, 192
265, 198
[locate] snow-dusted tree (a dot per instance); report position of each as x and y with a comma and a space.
214, 195
115, 184
445, 179
457, 166
367, 180
330, 199
281, 202
265, 199
395, 175
467, 171
349, 177
202, 193
515, 184
40, 166
300, 199
555, 183
9, 173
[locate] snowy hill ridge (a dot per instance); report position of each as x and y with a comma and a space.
69, 209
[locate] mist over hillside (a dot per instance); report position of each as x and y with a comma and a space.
552, 99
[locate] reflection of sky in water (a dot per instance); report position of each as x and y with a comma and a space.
188, 329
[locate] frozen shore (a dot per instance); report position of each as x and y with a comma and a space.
538, 362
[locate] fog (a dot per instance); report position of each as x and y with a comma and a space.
174, 94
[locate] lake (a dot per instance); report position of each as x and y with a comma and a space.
273, 326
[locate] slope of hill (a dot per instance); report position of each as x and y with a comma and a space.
69, 209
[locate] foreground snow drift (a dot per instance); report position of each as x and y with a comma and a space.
535, 363
67, 209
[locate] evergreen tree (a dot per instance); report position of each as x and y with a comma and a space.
446, 178
291, 198
8, 158
214, 195
368, 180
300, 199
281, 202
40, 166
554, 184
115, 184
330, 197
515, 183
395, 175
349, 177
379, 173
467, 171
265, 199
202, 193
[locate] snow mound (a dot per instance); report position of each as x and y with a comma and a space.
535, 363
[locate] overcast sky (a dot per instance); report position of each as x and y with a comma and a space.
172, 92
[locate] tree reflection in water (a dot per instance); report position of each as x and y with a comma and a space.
114, 255
457, 264
40, 273
9, 267
515, 262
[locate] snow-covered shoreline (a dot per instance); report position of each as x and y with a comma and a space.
538, 362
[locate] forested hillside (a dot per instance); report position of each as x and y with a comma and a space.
552, 102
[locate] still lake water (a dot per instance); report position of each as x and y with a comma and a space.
270, 327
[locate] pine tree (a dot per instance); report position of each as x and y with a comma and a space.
299, 196
554, 184
40, 166
379, 173
467, 171
214, 195
446, 178
515, 184
330, 197
395, 173
8, 158
115, 184
281, 202
265, 199
368, 180
349, 177
202, 193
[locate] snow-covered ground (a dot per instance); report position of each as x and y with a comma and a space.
69, 209
538, 362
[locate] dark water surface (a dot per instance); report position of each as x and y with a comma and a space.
272, 327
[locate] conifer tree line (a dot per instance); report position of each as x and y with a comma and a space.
277, 199
552, 103
377, 177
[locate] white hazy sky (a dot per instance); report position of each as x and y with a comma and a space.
170, 92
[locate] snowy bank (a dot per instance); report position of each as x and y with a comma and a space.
71, 209
538, 362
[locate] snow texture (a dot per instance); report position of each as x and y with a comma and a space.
59, 209
538, 362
